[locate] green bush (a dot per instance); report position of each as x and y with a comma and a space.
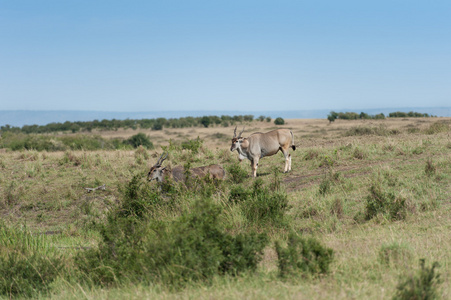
205, 121
265, 205
423, 285
140, 139
38, 142
27, 276
236, 173
279, 121
192, 247
238, 194
193, 145
303, 256
382, 199
139, 199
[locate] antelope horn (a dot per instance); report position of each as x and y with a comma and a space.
241, 131
234, 132
161, 159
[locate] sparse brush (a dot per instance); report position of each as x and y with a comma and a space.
325, 186
337, 208
430, 169
70, 158
423, 285
327, 161
386, 201
395, 254
359, 153
437, 127
303, 256
311, 154
381, 130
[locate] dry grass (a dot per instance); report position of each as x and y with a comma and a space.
219, 137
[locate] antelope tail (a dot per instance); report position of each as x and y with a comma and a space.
293, 146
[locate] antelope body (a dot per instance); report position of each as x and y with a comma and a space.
160, 173
259, 145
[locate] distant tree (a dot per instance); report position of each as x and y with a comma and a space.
248, 118
279, 121
206, 121
332, 116
364, 116
268, 119
140, 139
157, 126
261, 118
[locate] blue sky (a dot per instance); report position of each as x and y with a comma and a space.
224, 55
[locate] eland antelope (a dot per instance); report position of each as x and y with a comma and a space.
160, 173
259, 145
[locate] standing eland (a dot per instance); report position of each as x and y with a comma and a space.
160, 173
259, 145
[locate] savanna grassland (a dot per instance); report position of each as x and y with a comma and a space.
365, 202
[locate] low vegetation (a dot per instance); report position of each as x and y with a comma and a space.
352, 219
364, 116
154, 124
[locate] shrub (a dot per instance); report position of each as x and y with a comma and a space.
193, 145
265, 205
279, 121
303, 256
423, 285
139, 199
385, 201
27, 276
140, 139
193, 247
236, 173
238, 194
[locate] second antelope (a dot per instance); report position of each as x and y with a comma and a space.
160, 173
259, 145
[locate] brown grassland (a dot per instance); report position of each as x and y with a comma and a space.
333, 169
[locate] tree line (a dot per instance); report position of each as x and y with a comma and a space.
114, 124
355, 116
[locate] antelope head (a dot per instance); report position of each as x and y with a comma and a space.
236, 140
157, 171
